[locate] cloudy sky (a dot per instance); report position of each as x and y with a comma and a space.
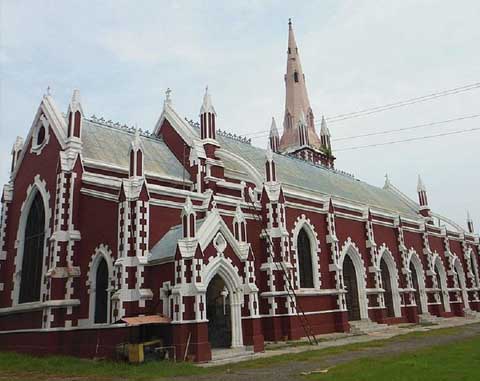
123, 55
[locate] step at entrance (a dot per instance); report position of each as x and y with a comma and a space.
471, 314
429, 319
229, 355
366, 326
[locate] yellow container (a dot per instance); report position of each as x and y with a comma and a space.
135, 353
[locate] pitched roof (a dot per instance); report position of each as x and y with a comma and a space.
302, 174
110, 145
164, 250
160, 161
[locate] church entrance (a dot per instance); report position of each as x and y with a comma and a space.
416, 287
218, 314
350, 281
387, 286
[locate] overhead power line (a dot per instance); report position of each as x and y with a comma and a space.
407, 102
408, 140
386, 107
384, 132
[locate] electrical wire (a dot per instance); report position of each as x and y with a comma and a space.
384, 132
408, 102
386, 107
408, 140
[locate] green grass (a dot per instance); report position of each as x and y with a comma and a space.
30, 367
316, 355
456, 362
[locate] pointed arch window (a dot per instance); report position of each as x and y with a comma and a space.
32, 261
295, 76
476, 275
304, 253
101, 292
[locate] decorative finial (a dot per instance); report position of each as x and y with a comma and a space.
49, 91
387, 179
421, 186
289, 22
168, 99
273, 128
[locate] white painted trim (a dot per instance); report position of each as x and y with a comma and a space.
303, 222
97, 194
66, 329
221, 266
35, 306
417, 264
349, 248
101, 252
37, 186
305, 313
393, 272
463, 283
440, 268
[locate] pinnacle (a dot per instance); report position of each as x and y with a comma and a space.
207, 105
421, 186
76, 96
324, 129
273, 128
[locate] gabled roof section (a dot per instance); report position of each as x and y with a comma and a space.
56, 122
110, 146
177, 122
164, 250
302, 175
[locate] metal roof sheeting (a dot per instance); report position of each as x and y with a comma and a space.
111, 146
302, 174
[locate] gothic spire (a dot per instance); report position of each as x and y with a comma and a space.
325, 135
296, 101
207, 117
274, 137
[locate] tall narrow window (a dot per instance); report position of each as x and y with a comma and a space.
295, 76
473, 262
304, 260
33, 245
101, 293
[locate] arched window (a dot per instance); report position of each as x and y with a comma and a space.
473, 262
295, 76
33, 246
40, 135
387, 286
101, 292
304, 253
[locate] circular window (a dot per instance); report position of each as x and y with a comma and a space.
40, 135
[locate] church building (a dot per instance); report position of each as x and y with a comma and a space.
111, 234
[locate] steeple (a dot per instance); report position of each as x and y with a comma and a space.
274, 138
296, 102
